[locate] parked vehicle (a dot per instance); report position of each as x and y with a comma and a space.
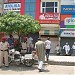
18, 58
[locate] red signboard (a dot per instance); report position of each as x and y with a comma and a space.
49, 21
49, 18
10, 1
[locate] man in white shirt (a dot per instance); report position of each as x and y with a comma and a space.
30, 43
47, 47
66, 48
73, 47
4, 52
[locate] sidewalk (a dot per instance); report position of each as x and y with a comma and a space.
62, 60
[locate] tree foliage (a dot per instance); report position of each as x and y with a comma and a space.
14, 22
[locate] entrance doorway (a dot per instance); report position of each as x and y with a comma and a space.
54, 41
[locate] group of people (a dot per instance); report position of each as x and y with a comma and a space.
9, 43
41, 48
67, 48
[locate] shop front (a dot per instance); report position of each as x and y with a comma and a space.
67, 36
49, 28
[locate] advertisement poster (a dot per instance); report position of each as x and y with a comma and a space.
67, 21
68, 9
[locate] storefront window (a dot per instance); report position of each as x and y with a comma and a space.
49, 7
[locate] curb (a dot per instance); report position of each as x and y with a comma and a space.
52, 62
61, 63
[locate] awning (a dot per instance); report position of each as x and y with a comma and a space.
48, 32
49, 29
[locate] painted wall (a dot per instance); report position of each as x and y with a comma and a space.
67, 2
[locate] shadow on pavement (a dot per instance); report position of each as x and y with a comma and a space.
22, 68
19, 68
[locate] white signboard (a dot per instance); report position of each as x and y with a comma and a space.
68, 34
69, 21
67, 2
12, 6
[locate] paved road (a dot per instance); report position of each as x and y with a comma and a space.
49, 69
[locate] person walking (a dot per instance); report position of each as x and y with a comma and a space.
4, 45
66, 47
47, 47
73, 47
40, 50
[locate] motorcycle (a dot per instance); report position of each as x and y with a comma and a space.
28, 58
14, 57
19, 58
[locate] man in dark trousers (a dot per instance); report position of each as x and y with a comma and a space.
47, 47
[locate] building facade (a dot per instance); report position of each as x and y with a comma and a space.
47, 12
1, 7
67, 22
1, 12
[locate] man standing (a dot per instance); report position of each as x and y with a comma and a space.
40, 49
66, 48
73, 47
4, 52
47, 47
11, 41
30, 43
24, 46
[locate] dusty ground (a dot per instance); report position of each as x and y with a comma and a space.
49, 69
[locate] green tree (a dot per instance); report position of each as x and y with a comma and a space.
14, 22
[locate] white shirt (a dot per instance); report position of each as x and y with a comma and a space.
73, 47
4, 46
48, 44
66, 47
29, 41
